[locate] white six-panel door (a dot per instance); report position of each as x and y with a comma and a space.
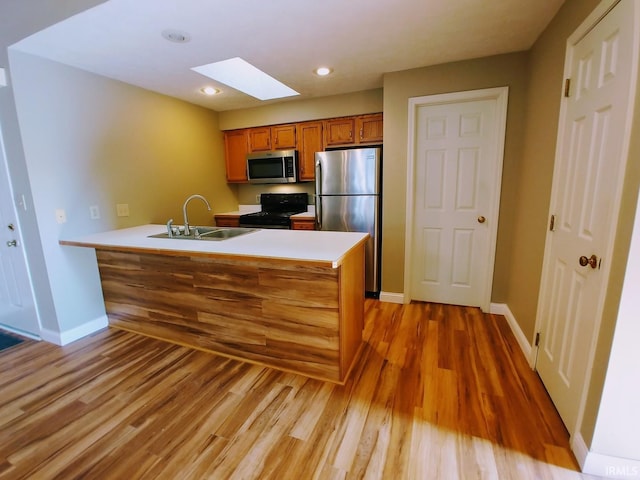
587, 180
17, 308
457, 163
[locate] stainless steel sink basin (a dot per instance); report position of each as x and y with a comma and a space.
207, 233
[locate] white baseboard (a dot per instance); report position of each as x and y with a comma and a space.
64, 338
579, 448
392, 297
521, 338
606, 466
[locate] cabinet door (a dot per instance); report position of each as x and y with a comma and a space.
339, 131
260, 139
369, 128
227, 221
235, 155
309, 142
283, 137
303, 224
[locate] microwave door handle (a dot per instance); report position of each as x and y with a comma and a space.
318, 195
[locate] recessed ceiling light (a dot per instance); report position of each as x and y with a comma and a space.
241, 75
323, 71
176, 36
210, 91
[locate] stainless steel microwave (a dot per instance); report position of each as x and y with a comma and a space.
278, 166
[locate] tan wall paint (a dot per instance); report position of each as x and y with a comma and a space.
534, 185
356, 103
123, 145
503, 70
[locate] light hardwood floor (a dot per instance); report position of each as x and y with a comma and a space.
439, 392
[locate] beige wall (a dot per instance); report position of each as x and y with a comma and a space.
89, 140
356, 103
534, 185
503, 70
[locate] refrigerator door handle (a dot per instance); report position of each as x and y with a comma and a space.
317, 196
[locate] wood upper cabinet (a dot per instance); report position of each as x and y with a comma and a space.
306, 137
236, 147
309, 142
369, 128
259, 139
283, 137
278, 137
362, 129
339, 131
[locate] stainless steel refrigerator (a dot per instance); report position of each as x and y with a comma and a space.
348, 199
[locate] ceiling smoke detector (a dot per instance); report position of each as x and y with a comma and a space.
176, 36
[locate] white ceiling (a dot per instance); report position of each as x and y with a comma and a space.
360, 39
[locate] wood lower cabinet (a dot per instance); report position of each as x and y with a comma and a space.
236, 147
297, 316
227, 220
303, 223
278, 137
309, 142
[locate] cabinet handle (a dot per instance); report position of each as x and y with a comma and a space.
361, 134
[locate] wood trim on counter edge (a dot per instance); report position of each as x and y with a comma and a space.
351, 307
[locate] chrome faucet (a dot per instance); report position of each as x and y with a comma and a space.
187, 231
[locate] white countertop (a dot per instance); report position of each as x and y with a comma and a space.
304, 245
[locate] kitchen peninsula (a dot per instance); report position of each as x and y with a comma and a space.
291, 300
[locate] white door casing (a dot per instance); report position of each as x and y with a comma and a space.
17, 306
454, 172
591, 154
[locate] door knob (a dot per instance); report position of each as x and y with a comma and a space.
12, 243
592, 261
481, 219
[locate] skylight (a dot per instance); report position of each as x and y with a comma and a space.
243, 76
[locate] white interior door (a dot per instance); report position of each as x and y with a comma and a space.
17, 309
587, 182
458, 142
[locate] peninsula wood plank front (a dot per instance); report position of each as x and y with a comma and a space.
305, 319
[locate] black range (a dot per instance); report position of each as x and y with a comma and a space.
276, 208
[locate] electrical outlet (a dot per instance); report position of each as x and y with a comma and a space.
94, 212
122, 209
258, 198
61, 216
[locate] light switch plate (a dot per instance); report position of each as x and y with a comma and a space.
122, 209
61, 216
94, 212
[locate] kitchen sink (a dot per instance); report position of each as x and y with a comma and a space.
207, 233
